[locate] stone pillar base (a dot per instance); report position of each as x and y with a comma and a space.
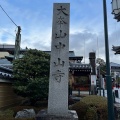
42, 115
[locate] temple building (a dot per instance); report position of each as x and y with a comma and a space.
79, 73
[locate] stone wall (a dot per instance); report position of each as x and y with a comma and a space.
7, 96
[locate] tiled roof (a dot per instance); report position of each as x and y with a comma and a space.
5, 74
5, 66
4, 61
7, 46
116, 49
71, 53
76, 58
79, 66
114, 64
5, 69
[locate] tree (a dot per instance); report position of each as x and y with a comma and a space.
102, 65
31, 73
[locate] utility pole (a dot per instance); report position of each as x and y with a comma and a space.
108, 77
17, 43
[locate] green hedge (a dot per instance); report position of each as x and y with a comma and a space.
91, 107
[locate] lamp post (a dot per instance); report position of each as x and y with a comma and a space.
108, 77
116, 9
116, 12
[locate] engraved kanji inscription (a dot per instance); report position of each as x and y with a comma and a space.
61, 21
59, 63
58, 75
62, 10
61, 35
60, 46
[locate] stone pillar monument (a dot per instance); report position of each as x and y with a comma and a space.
59, 67
58, 83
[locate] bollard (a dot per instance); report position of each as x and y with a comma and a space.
113, 97
78, 91
103, 93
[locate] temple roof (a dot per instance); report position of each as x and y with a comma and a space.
6, 66
5, 69
5, 75
10, 48
115, 67
71, 53
79, 66
116, 49
4, 61
76, 58
114, 64
71, 56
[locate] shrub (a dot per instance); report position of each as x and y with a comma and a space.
91, 113
81, 109
31, 75
91, 107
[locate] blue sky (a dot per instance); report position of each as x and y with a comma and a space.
86, 25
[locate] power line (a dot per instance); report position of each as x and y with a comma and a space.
2, 29
7, 32
8, 16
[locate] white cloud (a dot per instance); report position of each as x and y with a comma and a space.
86, 26
37, 39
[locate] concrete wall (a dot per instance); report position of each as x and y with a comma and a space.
7, 96
3, 54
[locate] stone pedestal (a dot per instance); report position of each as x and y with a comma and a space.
42, 115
